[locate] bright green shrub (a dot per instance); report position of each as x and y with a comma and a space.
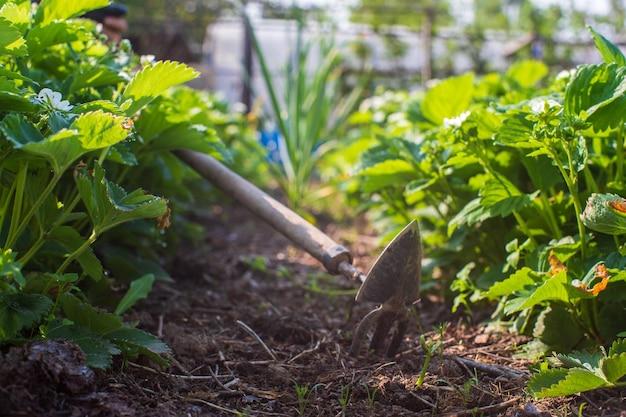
498, 169
77, 115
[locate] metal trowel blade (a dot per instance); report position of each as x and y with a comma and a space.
397, 269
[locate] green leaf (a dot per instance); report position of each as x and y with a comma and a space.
104, 105
392, 172
12, 75
527, 73
561, 382
618, 347
11, 40
93, 77
99, 130
580, 154
51, 10
98, 350
599, 93
42, 37
135, 342
109, 204
188, 136
514, 283
10, 268
609, 51
448, 99
582, 359
126, 264
542, 172
502, 198
135, 338
61, 149
605, 213
498, 197
109, 328
553, 289
516, 131
58, 121
614, 367
472, 213
90, 131
13, 99
19, 130
122, 154
71, 240
17, 14
19, 311
139, 289
85, 315
153, 80
557, 328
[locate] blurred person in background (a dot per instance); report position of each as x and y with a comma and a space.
113, 20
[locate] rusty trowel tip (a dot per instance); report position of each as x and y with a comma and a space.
397, 269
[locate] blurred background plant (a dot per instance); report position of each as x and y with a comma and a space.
307, 122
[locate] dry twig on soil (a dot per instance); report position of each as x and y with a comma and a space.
252, 333
494, 370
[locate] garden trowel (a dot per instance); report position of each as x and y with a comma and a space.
392, 282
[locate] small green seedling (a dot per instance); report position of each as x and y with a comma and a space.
344, 398
302, 394
430, 349
371, 395
256, 263
466, 388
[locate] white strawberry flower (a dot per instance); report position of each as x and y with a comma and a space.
539, 105
566, 74
399, 119
456, 121
146, 60
52, 100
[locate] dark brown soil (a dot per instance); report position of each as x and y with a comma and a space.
257, 330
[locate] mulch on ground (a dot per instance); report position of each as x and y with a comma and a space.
257, 329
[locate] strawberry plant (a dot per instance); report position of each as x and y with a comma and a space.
516, 180
77, 117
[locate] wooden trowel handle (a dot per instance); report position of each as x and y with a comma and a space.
284, 220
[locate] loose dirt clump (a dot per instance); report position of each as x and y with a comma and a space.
51, 375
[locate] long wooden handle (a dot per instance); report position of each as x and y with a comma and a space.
284, 220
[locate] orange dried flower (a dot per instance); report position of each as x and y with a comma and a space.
603, 274
619, 205
600, 286
165, 221
556, 265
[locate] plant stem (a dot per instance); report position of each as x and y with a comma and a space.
12, 238
591, 182
7, 198
619, 173
18, 200
573, 189
42, 237
590, 309
92, 238
524, 227
579, 222
448, 188
551, 217
420, 380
